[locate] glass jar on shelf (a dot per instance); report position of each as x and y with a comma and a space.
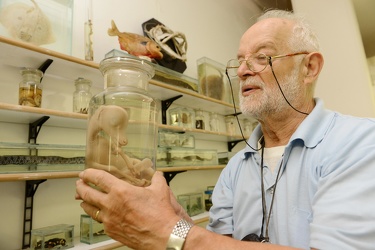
82, 95
30, 88
208, 197
247, 127
122, 126
230, 126
199, 119
214, 122
182, 117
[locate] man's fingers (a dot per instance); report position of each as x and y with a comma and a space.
92, 211
99, 178
158, 179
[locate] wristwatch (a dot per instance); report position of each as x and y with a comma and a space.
177, 238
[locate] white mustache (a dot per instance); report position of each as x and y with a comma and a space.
251, 81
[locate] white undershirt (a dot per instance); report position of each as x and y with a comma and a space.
272, 156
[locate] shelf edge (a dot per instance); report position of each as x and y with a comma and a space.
38, 176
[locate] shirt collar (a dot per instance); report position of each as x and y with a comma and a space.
311, 131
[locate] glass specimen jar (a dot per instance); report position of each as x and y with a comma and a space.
247, 127
30, 88
229, 123
214, 122
199, 119
122, 126
82, 95
208, 197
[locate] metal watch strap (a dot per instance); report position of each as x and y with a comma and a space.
177, 238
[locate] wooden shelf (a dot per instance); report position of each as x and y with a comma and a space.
74, 174
202, 134
38, 176
17, 54
187, 168
24, 115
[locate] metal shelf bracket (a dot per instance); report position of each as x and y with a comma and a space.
170, 175
165, 105
31, 185
30, 189
232, 144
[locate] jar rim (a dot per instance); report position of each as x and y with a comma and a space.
31, 70
82, 80
128, 62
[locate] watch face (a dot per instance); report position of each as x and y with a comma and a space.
177, 238
175, 242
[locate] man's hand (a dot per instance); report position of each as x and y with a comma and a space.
139, 217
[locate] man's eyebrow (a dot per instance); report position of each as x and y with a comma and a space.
260, 46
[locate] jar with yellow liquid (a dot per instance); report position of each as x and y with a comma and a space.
30, 88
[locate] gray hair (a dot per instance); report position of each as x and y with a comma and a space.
303, 37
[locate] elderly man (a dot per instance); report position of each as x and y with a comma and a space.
304, 180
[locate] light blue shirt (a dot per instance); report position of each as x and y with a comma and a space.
325, 197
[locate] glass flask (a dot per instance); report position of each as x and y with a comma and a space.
247, 128
30, 88
122, 126
214, 122
199, 119
229, 123
82, 95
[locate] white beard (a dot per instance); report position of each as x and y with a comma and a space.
269, 100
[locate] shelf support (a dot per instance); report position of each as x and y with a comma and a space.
170, 175
235, 114
30, 189
165, 105
232, 144
31, 185
35, 127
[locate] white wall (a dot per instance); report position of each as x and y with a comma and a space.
345, 83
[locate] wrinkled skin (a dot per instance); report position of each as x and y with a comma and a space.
121, 206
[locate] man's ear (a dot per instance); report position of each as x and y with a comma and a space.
313, 65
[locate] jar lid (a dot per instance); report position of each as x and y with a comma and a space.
31, 71
127, 62
82, 80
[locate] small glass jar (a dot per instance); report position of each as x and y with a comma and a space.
182, 117
214, 122
199, 119
229, 123
30, 88
82, 95
247, 127
208, 197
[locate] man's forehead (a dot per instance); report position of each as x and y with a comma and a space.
272, 32
270, 25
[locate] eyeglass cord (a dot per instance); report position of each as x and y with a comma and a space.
235, 112
282, 92
262, 238
235, 108
265, 238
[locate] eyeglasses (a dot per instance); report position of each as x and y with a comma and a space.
256, 63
